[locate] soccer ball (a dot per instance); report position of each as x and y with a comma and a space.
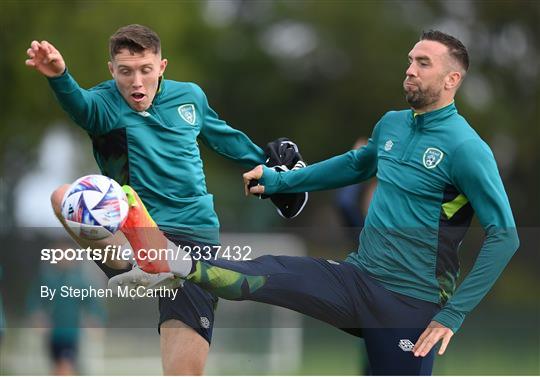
95, 207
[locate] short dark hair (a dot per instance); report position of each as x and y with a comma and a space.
136, 38
456, 49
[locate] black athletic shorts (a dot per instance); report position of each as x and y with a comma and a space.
193, 305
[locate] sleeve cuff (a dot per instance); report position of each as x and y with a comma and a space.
449, 319
63, 83
270, 181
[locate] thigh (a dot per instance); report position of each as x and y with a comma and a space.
391, 324
183, 350
390, 352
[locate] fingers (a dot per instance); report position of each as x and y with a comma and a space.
445, 342
429, 338
38, 49
31, 52
257, 190
47, 47
420, 341
254, 174
35, 46
423, 347
46, 52
32, 55
254, 190
51, 52
42, 52
36, 54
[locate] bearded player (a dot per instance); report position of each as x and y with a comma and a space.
399, 290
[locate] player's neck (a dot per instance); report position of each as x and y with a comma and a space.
433, 107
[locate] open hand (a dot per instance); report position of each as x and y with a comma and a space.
430, 337
45, 58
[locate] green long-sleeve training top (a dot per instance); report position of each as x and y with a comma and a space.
434, 172
156, 151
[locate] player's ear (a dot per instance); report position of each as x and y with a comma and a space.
452, 80
111, 68
162, 66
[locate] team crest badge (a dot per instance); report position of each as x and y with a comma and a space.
432, 157
187, 113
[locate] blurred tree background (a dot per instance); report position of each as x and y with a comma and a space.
319, 72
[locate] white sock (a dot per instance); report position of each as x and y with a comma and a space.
180, 262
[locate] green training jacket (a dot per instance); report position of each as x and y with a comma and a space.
434, 172
156, 151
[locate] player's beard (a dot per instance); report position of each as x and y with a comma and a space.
420, 98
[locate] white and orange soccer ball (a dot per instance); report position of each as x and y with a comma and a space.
95, 207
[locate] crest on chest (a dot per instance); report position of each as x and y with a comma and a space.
432, 157
187, 113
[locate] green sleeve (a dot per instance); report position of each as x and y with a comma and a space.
349, 168
227, 141
475, 174
86, 107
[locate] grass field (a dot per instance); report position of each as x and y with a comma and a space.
325, 352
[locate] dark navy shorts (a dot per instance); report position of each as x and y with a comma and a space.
193, 305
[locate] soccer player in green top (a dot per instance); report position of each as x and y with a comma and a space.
398, 291
144, 132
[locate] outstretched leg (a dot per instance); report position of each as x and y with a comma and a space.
315, 287
337, 293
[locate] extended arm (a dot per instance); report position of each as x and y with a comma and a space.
227, 141
351, 167
81, 105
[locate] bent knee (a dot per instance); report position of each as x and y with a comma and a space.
56, 198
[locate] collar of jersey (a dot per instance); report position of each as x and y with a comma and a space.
432, 118
161, 90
